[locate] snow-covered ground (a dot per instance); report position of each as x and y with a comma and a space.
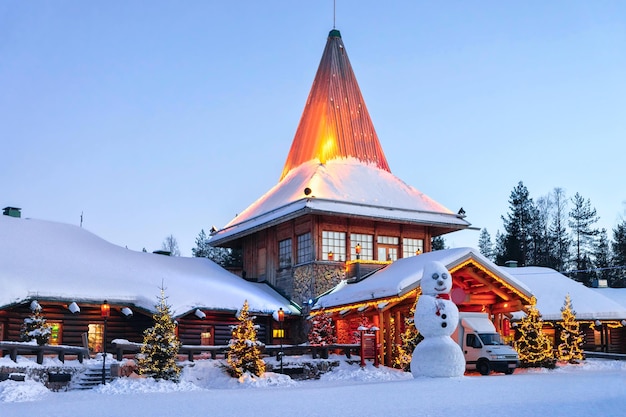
596, 387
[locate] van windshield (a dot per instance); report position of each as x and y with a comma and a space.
490, 338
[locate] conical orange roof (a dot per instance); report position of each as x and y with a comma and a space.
335, 122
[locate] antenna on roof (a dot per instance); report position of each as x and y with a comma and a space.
334, 12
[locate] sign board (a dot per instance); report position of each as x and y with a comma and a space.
369, 348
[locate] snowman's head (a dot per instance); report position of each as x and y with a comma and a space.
436, 279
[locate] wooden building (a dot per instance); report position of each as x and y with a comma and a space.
385, 298
69, 273
337, 210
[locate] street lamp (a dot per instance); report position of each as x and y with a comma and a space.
281, 319
105, 311
357, 249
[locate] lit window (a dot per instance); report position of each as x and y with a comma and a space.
412, 247
333, 246
367, 246
95, 336
55, 333
305, 252
206, 336
284, 253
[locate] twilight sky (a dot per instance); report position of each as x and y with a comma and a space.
163, 117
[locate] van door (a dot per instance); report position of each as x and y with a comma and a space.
472, 348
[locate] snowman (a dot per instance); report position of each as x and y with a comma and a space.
436, 318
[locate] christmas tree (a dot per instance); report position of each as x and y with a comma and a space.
160, 345
532, 344
322, 331
571, 338
410, 338
363, 323
244, 353
35, 326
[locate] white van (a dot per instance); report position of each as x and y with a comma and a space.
482, 346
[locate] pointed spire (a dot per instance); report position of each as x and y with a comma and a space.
335, 122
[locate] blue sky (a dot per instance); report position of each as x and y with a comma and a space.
157, 118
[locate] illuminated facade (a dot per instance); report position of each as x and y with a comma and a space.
336, 191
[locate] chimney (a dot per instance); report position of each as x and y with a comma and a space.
12, 211
511, 264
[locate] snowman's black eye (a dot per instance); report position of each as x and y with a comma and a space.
435, 275
444, 276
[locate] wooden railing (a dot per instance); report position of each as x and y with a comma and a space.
15, 348
122, 347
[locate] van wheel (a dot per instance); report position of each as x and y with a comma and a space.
509, 371
483, 367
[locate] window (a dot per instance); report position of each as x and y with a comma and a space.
1, 331
333, 246
412, 247
387, 248
284, 253
206, 336
305, 252
367, 246
55, 333
95, 337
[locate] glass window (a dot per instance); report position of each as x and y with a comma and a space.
206, 336
95, 334
305, 250
412, 247
55, 333
284, 253
387, 248
333, 246
367, 246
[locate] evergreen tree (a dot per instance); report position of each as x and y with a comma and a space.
602, 258
244, 353
559, 240
35, 327
160, 345
499, 250
582, 217
518, 225
170, 244
438, 243
322, 332
570, 348
484, 244
410, 338
224, 257
540, 233
532, 344
619, 256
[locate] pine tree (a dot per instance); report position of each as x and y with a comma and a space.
244, 353
602, 258
410, 338
582, 218
518, 226
222, 256
570, 348
160, 345
322, 332
438, 243
619, 255
35, 327
484, 244
532, 344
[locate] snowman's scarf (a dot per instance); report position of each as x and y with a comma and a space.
440, 305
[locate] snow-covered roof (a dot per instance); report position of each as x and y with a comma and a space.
48, 260
341, 186
405, 274
551, 287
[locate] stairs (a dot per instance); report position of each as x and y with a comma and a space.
91, 377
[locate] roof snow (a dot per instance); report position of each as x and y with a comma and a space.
338, 186
49, 260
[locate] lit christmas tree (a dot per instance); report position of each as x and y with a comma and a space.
35, 326
160, 345
244, 353
570, 348
410, 338
532, 344
356, 335
322, 331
